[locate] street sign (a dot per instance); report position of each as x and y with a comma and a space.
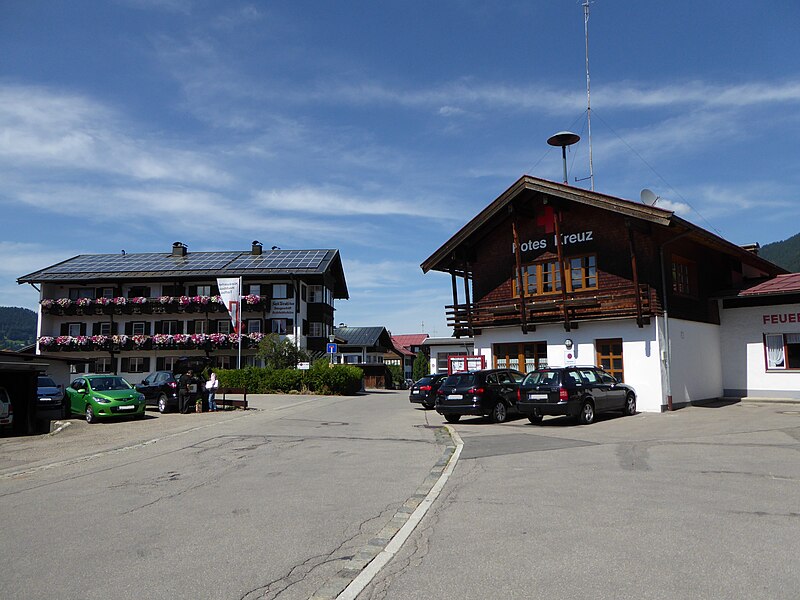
304, 366
333, 348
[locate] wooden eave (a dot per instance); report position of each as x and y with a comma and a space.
440, 260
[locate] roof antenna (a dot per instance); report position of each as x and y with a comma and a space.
588, 94
564, 139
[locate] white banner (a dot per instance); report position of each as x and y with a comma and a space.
230, 290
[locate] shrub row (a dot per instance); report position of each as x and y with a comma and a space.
321, 379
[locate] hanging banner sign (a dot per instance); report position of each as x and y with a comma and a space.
230, 290
282, 308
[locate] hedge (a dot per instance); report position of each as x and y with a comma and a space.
321, 379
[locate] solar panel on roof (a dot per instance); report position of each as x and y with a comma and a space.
127, 263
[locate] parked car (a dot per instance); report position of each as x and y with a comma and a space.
160, 388
424, 391
487, 392
50, 395
104, 396
580, 392
6, 410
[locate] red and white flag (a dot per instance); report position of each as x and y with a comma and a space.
230, 290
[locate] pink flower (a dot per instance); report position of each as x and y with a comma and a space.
102, 301
139, 300
252, 299
46, 341
120, 301
64, 302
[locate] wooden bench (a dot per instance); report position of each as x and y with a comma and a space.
222, 400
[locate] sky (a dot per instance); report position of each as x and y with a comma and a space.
379, 128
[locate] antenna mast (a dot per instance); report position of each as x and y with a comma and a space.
588, 94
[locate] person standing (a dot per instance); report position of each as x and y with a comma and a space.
211, 385
184, 391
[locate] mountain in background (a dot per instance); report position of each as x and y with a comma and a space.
785, 254
17, 327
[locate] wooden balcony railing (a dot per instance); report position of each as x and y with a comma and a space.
467, 319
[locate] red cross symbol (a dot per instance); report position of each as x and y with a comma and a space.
546, 220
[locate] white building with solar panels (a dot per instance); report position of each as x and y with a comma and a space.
135, 313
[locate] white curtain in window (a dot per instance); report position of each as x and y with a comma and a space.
793, 338
775, 358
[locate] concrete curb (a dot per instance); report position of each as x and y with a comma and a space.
359, 571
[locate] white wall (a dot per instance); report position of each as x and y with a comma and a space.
744, 371
640, 351
696, 367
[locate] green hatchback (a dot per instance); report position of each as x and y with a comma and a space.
104, 396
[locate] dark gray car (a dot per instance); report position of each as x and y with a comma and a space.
580, 392
489, 392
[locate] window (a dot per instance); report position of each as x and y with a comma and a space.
139, 328
315, 293
138, 291
170, 327
203, 290
442, 363
683, 277
135, 364
303, 291
255, 288
107, 293
279, 326
253, 325
166, 363
200, 326
73, 329
224, 326
315, 329
609, 356
223, 362
76, 293
75, 368
782, 351
521, 357
545, 277
104, 328
102, 365
173, 290
279, 290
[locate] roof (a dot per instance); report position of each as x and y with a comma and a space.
363, 336
782, 284
449, 341
441, 259
87, 268
408, 340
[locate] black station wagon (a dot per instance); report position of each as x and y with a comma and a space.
488, 392
580, 392
424, 391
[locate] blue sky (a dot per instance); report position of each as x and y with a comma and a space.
379, 128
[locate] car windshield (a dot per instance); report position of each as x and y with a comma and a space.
458, 379
106, 384
46, 382
548, 377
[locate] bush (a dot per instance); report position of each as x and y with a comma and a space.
321, 378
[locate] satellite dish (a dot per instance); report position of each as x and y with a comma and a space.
648, 197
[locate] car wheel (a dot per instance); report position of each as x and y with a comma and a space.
586, 416
535, 419
428, 404
452, 418
499, 413
630, 405
90, 418
162, 404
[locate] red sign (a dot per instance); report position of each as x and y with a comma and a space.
781, 318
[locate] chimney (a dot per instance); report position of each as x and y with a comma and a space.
256, 249
754, 248
179, 249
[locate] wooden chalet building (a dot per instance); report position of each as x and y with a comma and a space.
549, 274
135, 313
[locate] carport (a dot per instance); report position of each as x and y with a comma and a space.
18, 376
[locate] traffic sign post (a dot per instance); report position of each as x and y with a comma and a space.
332, 350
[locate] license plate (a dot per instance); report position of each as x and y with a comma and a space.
127, 407
537, 396
455, 397
415, 392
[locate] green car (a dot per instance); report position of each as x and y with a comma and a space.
104, 396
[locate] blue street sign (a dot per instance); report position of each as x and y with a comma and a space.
332, 348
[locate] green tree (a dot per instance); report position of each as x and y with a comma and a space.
397, 375
420, 368
280, 353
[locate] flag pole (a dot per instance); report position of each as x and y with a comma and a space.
239, 327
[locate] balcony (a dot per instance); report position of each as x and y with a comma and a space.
141, 305
117, 343
468, 319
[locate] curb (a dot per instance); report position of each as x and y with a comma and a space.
360, 570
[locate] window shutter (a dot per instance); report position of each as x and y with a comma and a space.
95, 328
114, 328
126, 363
160, 363
98, 292
64, 329
147, 292
129, 328
159, 327
190, 327
146, 364
181, 326
192, 290
305, 327
83, 329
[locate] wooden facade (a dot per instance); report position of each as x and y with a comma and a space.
545, 253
